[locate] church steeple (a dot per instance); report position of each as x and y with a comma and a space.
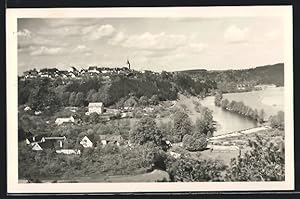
128, 63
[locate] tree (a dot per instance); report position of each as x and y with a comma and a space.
205, 124
264, 162
277, 121
143, 101
218, 98
79, 99
90, 94
42, 97
182, 125
72, 99
131, 102
154, 100
146, 130
192, 143
224, 103
261, 116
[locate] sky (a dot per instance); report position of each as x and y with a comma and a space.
155, 44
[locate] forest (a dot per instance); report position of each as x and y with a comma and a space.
228, 79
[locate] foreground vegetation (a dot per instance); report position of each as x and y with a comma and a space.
263, 161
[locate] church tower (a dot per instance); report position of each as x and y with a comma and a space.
128, 63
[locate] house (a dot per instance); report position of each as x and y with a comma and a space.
111, 139
69, 151
264, 86
96, 107
86, 142
38, 112
47, 142
93, 69
27, 108
60, 121
127, 114
60, 140
33, 139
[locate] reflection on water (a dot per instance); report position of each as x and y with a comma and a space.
227, 121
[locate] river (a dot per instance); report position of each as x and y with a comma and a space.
226, 121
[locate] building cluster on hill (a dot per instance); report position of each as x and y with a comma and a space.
73, 72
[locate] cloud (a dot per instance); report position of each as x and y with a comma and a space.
64, 31
69, 22
149, 41
25, 33
26, 39
234, 34
82, 49
119, 37
97, 32
46, 51
87, 32
196, 47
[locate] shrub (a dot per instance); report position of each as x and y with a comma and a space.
193, 143
190, 170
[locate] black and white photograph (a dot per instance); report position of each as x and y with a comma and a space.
150, 99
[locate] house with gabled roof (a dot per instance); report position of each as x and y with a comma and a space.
86, 142
41, 142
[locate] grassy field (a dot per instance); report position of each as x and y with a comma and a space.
215, 155
271, 100
154, 176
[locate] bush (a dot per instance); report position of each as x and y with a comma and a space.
190, 170
192, 143
277, 121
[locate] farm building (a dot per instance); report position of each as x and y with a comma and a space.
111, 139
96, 107
60, 121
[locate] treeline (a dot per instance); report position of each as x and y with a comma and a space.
228, 80
47, 94
240, 108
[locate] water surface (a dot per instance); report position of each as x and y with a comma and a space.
227, 121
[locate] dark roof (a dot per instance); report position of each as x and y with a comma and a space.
47, 145
111, 137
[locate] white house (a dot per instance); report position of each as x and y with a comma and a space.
68, 151
86, 142
36, 147
60, 121
27, 108
96, 107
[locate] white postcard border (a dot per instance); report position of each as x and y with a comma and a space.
205, 12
